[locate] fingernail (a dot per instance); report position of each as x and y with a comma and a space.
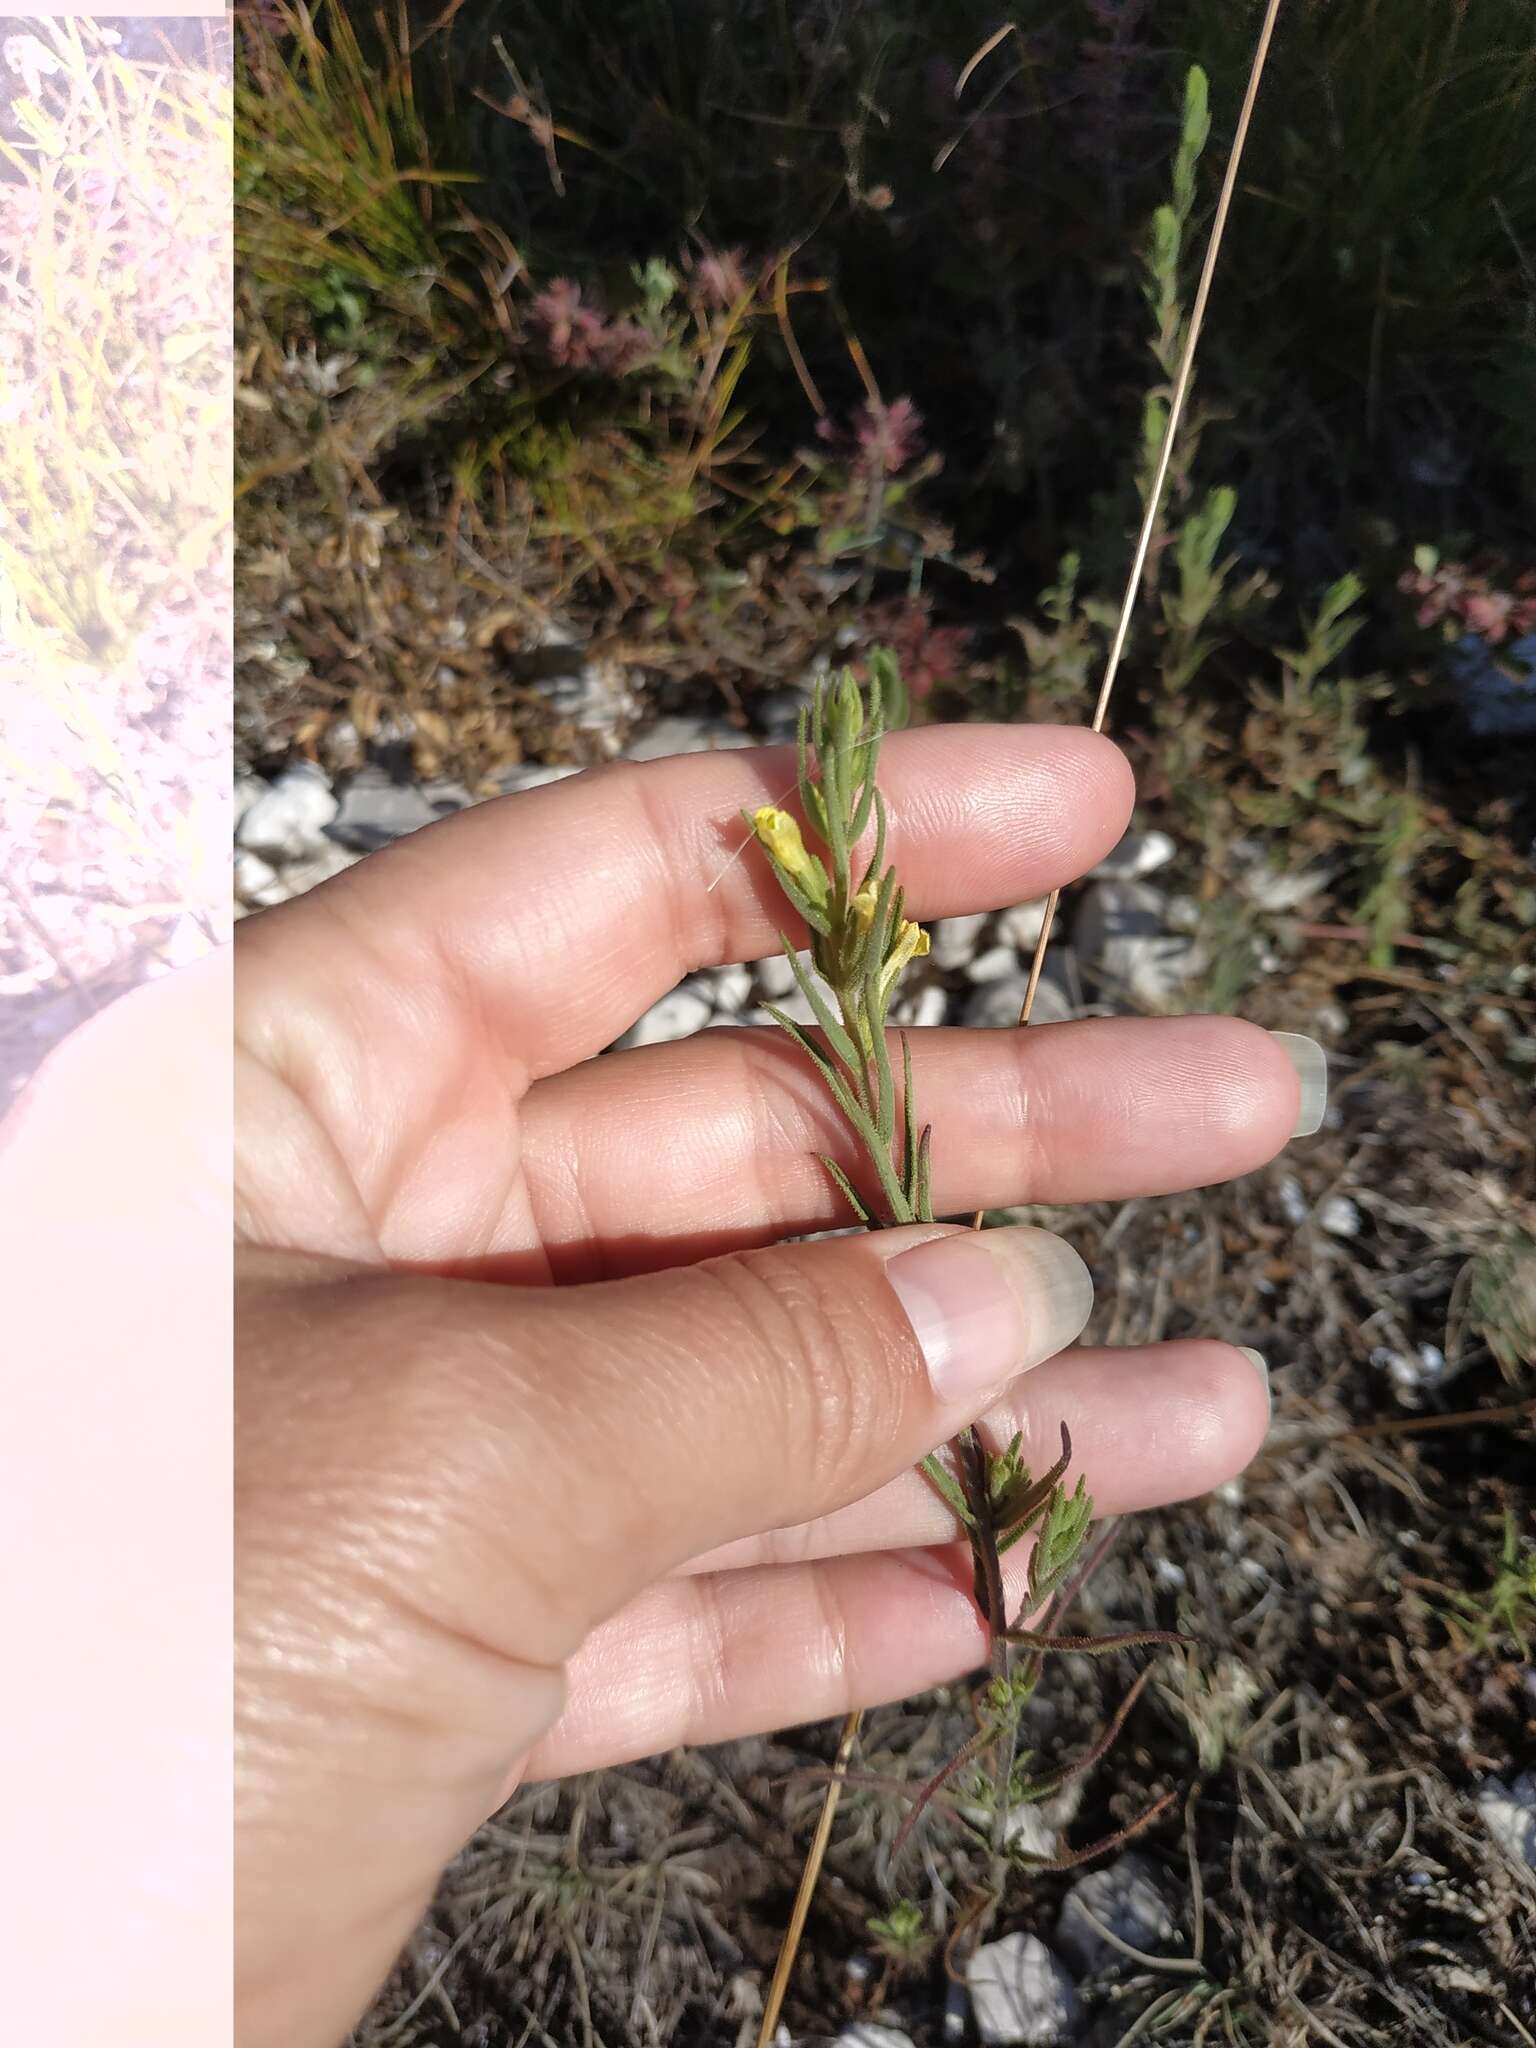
987, 1304
1256, 1360
1311, 1064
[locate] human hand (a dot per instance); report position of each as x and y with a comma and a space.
550, 1453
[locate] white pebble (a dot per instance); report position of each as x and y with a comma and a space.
685, 736
1123, 1897
328, 860
775, 976
996, 1005
867, 2034
675, 1016
928, 1007
953, 940
1021, 926
1277, 893
256, 879
1339, 1217
247, 789
289, 819
1139, 853
532, 775
1021, 1995
996, 964
797, 1007
1509, 1814
1122, 938
726, 988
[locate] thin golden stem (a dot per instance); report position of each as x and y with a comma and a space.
1165, 453
773, 2005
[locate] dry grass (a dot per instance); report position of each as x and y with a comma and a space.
114, 525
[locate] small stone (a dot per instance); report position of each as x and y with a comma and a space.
675, 1016
1293, 1200
775, 976
1125, 1899
685, 736
1412, 1373
247, 789
1168, 1576
374, 810
288, 820
331, 860
185, 942
1274, 892
797, 1007
1182, 914
868, 2034
953, 940
1509, 1814
256, 880
727, 988
778, 713
1121, 935
342, 747
1139, 853
1339, 1217
1021, 1995
1035, 1827
996, 1004
533, 775
597, 698
1021, 926
997, 963
446, 797
928, 1007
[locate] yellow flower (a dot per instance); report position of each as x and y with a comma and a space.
781, 836
865, 904
912, 943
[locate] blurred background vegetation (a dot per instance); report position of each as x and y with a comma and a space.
737, 328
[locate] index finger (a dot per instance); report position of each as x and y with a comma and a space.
562, 913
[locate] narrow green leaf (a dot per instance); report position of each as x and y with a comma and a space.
945, 1483
908, 1123
880, 1053
816, 918
891, 1188
1096, 1646
837, 1037
923, 1206
845, 1188
878, 855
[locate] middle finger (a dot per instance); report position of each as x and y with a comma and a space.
713, 1141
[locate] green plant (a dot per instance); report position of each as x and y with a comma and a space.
853, 908
1501, 1299
1065, 654
901, 1935
1162, 287
1506, 1611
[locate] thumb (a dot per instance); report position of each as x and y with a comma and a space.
445, 1484
768, 1388
556, 1449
